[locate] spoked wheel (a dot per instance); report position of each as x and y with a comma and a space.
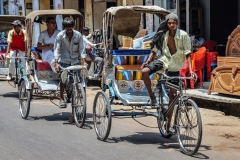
102, 116
24, 99
189, 127
162, 125
79, 105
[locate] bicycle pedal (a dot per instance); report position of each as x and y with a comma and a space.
171, 131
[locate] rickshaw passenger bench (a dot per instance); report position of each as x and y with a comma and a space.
48, 80
128, 76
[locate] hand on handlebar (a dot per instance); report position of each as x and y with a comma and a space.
193, 75
57, 67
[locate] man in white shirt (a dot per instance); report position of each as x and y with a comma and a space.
46, 41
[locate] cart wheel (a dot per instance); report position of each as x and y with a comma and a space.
24, 99
102, 79
79, 105
161, 125
102, 117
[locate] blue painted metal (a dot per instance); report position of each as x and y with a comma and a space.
112, 94
119, 113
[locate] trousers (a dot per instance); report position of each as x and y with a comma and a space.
13, 56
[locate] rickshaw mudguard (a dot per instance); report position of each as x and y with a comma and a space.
27, 82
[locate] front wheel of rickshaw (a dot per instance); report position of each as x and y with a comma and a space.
24, 99
79, 105
102, 117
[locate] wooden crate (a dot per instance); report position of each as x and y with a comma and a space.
146, 45
127, 42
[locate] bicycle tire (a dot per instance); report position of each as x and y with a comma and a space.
161, 126
79, 105
185, 121
102, 130
24, 96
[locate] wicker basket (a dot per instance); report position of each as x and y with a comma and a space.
127, 42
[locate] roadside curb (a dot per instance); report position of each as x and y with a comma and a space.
228, 104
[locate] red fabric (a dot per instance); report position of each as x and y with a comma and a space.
211, 58
18, 42
42, 66
184, 72
198, 62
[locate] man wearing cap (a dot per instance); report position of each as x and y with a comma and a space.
46, 41
96, 59
175, 48
16, 42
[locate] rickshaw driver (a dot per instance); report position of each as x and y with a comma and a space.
176, 47
68, 49
46, 41
16, 41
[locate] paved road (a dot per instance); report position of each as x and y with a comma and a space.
46, 134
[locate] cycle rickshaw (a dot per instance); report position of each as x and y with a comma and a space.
6, 21
39, 81
122, 77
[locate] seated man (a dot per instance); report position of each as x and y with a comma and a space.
96, 59
176, 46
46, 41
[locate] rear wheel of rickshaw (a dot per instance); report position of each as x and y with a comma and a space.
24, 99
102, 117
79, 105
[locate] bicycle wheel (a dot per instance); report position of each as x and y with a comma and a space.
24, 100
162, 125
189, 127
79, 105
102, 117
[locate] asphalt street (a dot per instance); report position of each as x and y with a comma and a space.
46, 134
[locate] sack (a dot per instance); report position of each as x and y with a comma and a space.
7, 60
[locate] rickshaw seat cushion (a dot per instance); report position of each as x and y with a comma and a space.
130, 57
131, 72
128, 67
42, 66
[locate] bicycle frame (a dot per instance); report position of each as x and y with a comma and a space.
178, 98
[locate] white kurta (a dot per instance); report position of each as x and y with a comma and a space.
48, 54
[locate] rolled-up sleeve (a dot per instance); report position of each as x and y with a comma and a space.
82, 51
187, 45
57, 47
9, 39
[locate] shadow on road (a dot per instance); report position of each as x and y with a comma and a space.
155, 138
10, 94
63, 116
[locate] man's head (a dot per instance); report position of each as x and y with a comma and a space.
68, 25
86, 31
172, 21
17, 25
51, 23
